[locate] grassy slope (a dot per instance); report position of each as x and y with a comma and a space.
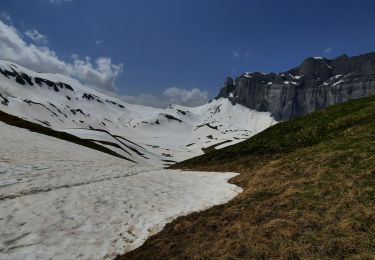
309, 192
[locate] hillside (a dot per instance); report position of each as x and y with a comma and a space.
308, 193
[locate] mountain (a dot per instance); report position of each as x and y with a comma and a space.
315, 84
62, 107
308, 193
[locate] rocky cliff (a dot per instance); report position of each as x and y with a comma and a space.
315, 84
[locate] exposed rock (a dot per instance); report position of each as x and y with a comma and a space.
315, 84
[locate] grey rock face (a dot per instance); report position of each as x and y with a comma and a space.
315, 84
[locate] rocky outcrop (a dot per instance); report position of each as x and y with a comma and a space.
315, 84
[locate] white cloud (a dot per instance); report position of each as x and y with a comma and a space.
57, 2
101, 73
328, 50
191, 98
36, 36
235, 53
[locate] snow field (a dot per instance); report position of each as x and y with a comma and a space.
63, 201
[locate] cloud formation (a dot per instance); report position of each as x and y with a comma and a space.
36, 36
193, 97
101, 73
190, 98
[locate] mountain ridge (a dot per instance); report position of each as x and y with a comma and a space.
64, 107
315, 84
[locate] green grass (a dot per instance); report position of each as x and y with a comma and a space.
300, 132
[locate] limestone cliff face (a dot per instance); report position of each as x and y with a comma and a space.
315, 84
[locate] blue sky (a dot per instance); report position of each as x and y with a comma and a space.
196, 43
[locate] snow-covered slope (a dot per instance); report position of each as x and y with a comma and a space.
144, 135
59, 200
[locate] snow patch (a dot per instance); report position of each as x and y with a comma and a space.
338, 82
247, 75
